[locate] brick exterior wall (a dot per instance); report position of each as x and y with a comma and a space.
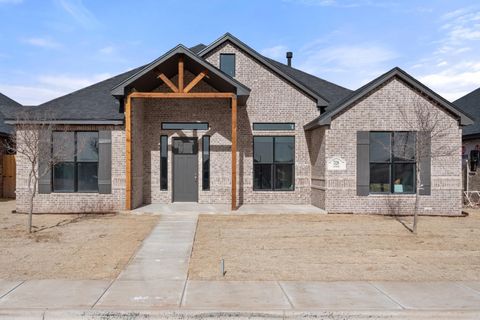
272, 99
78, 202
380, 111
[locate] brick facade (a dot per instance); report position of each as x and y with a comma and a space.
272, 99
380, 111
78, 202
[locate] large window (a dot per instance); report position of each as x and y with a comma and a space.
227, 63
392, 162
273, 163
76, 161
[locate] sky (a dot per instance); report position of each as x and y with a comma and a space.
49, 48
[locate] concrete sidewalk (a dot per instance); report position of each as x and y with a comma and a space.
155, 286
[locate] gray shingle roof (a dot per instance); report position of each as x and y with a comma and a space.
328, 90
470, 104
199, 47
96, 103
353, 97
8, 107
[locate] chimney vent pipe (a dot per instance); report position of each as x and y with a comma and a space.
289, 58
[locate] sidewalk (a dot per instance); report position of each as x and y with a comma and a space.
154, 285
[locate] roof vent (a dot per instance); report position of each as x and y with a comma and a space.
289, 58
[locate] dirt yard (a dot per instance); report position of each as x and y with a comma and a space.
335, 247
68, 246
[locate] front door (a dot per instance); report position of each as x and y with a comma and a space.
185, 170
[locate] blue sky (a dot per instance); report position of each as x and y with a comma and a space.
52, 47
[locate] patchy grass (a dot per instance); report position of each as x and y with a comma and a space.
335, 247
68, 246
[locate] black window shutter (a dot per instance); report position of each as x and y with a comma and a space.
105, 161
425, 162
44, 161
363, 163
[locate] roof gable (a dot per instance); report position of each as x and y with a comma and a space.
351, 99
470, 104
217, 78
321, 100
8, 108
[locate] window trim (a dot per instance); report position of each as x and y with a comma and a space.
392, 163
234, 63
273, 163
204, 168
256, 124
75, 163
185, 122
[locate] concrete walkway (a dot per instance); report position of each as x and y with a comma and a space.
155, 284
195, 208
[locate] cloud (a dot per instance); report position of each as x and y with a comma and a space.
79, 12
48, 87
41, 42
275, 52
453, 69
455, 81
107, 50
349, 65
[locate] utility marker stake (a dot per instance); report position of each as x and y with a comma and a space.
222, 267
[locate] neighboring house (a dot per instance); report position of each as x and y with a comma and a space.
470, 104
8, 107
170, 131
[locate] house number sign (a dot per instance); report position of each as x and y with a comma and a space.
336, 163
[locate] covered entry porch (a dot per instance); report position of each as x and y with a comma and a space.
181, 122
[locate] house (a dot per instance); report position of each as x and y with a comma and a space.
470, 104
223, 124
8, 107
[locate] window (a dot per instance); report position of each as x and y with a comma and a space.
227, 63
206, 163
392, 162
76, 157
184, 125
273, 126
163, 162
273, 163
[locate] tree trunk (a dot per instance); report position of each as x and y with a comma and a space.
415, 210
32, 196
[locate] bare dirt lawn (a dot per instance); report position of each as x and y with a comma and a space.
93, 246
335, 247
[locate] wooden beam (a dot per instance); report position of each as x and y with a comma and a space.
234, 153
195, 81
168, 82
180, 73
190, 95
128, 152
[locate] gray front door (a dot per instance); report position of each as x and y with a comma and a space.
185, 170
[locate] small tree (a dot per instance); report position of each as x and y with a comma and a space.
32, 142
434, 129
